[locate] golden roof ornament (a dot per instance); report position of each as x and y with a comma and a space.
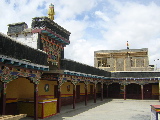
127, 45
51, 12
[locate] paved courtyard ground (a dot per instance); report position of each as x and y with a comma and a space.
108, 109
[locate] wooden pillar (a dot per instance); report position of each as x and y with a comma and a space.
107, 91
156, 115
59, 99
74, 81
142, 94
101, 91
74, 96
95, 96
6, 77
3, 98
60, 82
86, 94
159, 88
124, 92
86, 82
35, 101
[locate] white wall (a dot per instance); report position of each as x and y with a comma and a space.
30, 39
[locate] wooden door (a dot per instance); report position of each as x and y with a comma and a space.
147, 90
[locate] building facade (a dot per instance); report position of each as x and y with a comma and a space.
36, 80
122, 60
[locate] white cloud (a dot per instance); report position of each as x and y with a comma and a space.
102, 15
137, 23
69, 9
18, 11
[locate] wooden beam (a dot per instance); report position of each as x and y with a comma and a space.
124, 92
95, 96
107, 91
101, 92
142, 94
3, 98
74, 96
86, 95
59, 99
35, 102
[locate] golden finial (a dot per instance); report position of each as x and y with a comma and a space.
127, 45
51, 12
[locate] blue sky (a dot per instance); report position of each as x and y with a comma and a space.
95, 24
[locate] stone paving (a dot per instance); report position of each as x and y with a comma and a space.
108, 109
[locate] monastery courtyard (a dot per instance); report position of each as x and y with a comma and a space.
108, 109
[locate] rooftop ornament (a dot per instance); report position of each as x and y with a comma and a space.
51, 12
127, 45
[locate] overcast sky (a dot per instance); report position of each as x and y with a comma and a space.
94, 24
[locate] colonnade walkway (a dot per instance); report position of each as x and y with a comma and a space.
108, 109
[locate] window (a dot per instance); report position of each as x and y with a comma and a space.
102, 62
105, 62
99, 63
140, 62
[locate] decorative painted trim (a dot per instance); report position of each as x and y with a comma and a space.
124, 82
61, 80
74, 81
36, 79
102, 84
109, 82
52, 35
86, 82
22, 63
6, 75
95, 82
142, 82
23, 73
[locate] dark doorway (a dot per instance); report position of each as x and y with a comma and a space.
114, 90
105, 91
133, 91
